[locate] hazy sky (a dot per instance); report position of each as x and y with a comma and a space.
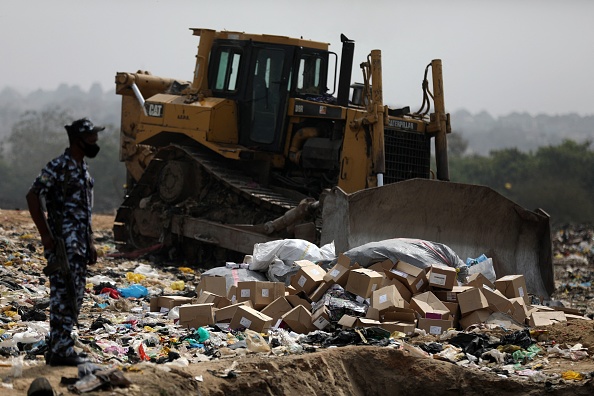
501, 56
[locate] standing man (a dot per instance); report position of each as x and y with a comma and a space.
66, 187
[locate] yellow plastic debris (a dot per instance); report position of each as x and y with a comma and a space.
134, 278
8, 263
27, 236
178, 285
186, 270
572, 375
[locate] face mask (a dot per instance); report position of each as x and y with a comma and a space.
90, 150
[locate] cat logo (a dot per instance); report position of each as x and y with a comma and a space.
154, 110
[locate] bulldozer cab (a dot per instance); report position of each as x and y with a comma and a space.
261, 78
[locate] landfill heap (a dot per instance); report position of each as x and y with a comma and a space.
291, 297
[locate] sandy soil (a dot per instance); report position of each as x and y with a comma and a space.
352, 370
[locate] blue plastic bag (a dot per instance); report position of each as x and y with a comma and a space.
134, 290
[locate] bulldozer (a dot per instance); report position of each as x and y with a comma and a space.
271, 140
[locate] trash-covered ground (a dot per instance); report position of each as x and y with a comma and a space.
138, 352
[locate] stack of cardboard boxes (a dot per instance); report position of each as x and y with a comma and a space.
396, 296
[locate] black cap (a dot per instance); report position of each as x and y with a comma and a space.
82, 126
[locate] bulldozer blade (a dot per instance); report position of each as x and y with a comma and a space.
470, 219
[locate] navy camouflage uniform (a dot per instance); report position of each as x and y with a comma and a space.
67, 188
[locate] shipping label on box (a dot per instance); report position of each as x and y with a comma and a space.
250, 318
308, 278
339, 274
442, 277
321, 318
387, 297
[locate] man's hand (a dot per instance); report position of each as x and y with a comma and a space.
48, 242
92, 254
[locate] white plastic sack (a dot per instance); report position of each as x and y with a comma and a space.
287, 250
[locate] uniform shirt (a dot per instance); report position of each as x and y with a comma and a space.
67, 188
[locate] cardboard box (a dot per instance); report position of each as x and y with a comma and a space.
403, 327
348, 321
214, 284
519, 311
373, 313
382, 266
224, 315
451, 295
475, 317
249, 318
308, 278
277, 309
472, 300
320, 291
546, 318
402, 289
296, 300
435, 326
208, 297
259, 293
454, 311
363, 282
429, 306
196, 315
497, 301
298, 319
321, 318
385, 298
442, 277
165, 303
513, 286
399, 315
479, 280
339, 274
414, 278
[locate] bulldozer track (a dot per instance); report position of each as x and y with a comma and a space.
237, 180
227, 173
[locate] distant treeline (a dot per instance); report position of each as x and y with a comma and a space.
36, 139
557, 178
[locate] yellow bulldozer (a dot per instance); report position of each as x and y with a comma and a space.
271, 140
